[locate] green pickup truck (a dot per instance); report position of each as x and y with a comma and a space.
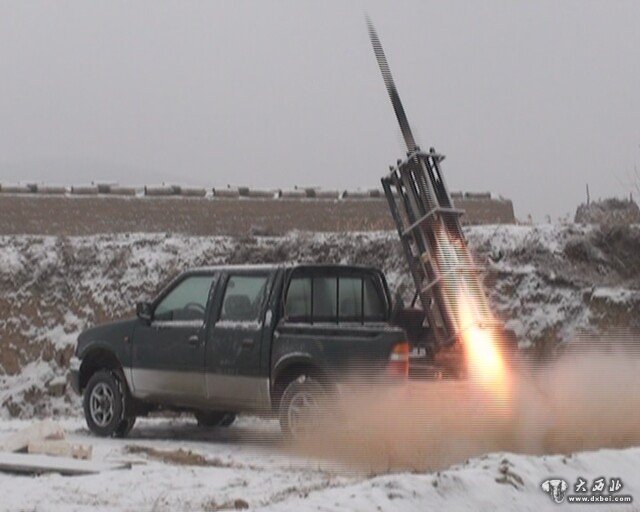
218, 341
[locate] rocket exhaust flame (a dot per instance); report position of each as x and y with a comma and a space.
467, 301
485, 362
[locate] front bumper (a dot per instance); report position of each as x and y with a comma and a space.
74, 374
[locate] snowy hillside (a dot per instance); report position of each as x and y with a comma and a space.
548, 282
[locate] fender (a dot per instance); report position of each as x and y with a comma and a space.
104, 346
87, 348
296, 358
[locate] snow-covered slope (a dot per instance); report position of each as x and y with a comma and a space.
550, 282
546, 281
495, 482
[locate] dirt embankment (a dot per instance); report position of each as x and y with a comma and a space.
83, 216
88, 215
547, 282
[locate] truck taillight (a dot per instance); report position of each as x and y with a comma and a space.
399, 361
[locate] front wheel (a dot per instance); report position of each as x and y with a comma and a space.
301, 408
105, 401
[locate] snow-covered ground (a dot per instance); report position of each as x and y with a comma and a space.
247, 465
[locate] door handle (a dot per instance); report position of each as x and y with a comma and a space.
248, 342
194, 340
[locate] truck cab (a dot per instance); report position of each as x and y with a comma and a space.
218, 341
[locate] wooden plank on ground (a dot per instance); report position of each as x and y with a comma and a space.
39, 464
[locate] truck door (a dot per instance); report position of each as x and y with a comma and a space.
234, 376
168, 353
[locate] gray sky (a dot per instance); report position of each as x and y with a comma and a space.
530, 100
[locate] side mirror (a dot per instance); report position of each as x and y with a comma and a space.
144, 311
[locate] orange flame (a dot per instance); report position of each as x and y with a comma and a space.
464, 297
486, 364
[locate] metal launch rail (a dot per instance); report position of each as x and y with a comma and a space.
445, 276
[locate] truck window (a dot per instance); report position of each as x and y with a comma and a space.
323, 306
350, 296
361, 300
374, 305
244, 298
311, 298
187, 301
298, 304
335, 299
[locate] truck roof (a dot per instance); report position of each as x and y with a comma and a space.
273, 266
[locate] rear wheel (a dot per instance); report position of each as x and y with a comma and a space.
125, 427
214, 418
302, 408
106, 402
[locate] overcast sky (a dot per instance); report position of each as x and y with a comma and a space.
531, 100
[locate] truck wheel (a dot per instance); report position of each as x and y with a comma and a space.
125, 427
214, 418
301, 408
228, 420
105, 401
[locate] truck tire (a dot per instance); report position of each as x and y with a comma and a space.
105, 401
214, 418
125, 427
301, 408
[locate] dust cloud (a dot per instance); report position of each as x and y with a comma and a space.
578, 402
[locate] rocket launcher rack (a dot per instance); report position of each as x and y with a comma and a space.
433, 244
445, 276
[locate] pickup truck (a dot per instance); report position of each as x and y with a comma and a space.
218, 341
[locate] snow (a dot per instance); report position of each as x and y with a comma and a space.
10, 260
473, 486
542, 277
508, 237
616, 295
36, 373
248, 462
256, 470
